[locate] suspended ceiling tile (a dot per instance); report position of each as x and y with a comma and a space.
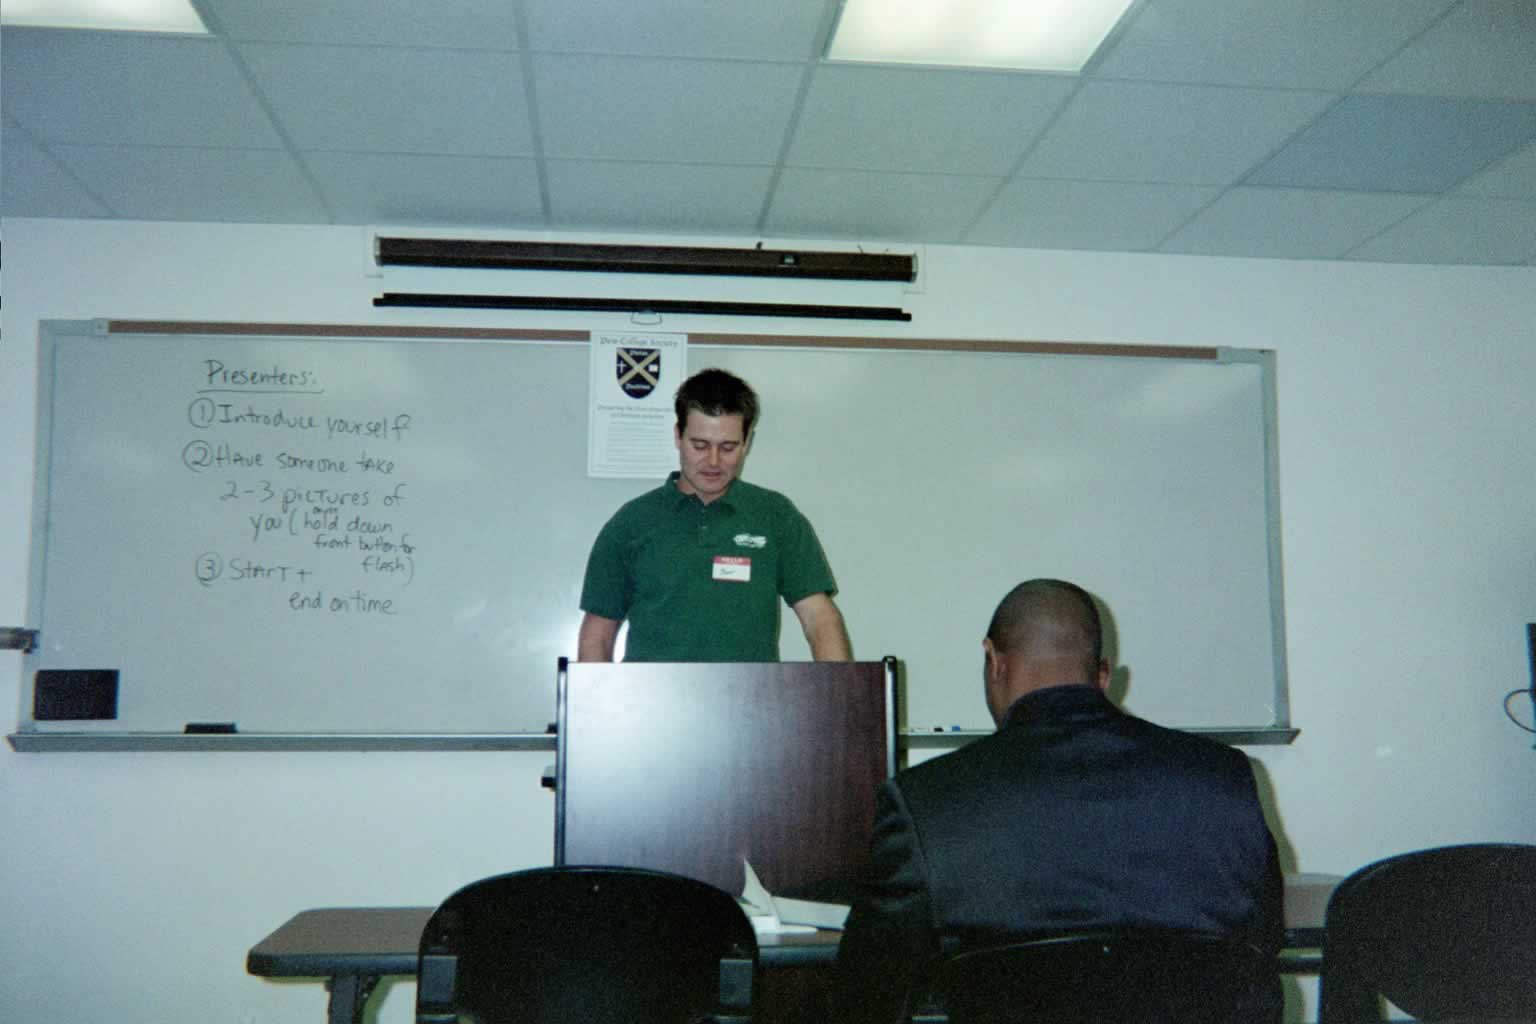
154, 183
1513, 177
1400, 144
1298, 44
752, 29
1035, 213
1483, 48
862, 204
633, 108
33, 184
1290, 223
373, 99
392, 188
691, 197
125, 88
469, 24
1455, 230
1168, 134
901, 119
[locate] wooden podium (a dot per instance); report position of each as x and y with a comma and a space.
694, 768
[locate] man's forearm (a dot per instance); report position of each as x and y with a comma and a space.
831, 642
824, 628
596, 638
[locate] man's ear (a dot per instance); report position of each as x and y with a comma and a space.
993, 675
1102, 677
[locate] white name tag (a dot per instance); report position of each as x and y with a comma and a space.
734, 569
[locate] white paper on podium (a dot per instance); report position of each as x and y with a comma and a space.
776, 915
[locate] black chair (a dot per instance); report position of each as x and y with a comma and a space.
1106, 977
587, 945
1445, 934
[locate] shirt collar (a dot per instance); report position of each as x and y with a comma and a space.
1059, 703
683, 500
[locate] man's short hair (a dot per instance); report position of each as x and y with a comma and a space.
714, 392
1047, 618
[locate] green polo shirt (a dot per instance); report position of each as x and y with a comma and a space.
702, 582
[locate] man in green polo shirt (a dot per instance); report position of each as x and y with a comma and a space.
699, 564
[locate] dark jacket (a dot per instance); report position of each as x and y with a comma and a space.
1074, 815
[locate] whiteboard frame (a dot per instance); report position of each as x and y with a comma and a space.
103, 738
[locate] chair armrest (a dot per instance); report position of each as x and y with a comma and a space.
736, 976
437, 971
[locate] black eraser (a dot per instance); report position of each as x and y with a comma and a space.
74, 694
210, 728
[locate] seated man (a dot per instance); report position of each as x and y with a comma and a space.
1073, 816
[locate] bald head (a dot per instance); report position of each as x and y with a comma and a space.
1044, 633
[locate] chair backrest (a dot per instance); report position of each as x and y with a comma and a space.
1442, 933
1107, 977
587, 945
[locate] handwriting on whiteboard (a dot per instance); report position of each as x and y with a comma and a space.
318, 518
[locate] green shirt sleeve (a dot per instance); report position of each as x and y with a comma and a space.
803, 569
605, 588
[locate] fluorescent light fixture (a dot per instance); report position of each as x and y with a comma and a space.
119, 15
1021, 35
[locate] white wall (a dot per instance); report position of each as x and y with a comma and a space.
134, 883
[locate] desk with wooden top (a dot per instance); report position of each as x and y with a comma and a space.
352, 948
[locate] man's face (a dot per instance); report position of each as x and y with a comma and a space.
710, 452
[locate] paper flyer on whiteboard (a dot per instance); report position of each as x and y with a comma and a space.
630, 417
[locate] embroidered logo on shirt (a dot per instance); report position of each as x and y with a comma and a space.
749, 540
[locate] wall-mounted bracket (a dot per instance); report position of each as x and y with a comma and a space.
17, 638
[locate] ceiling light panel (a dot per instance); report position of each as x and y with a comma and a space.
112, 15
1020, 35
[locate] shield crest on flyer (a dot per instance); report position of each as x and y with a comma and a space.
638, 370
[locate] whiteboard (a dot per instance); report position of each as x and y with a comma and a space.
387, 535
